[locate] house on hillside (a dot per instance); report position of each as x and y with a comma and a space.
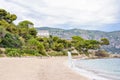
30, 25
43, 33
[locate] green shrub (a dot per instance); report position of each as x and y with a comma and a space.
55, 53
65, 52
59, 47
31, 51
1, 51
13, 52
36, 45
10, 41
46, 45
21, 52
33, 32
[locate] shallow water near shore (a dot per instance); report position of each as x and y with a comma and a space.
97, 69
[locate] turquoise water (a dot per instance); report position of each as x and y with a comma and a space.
107, 68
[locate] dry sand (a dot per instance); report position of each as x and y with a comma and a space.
54, 68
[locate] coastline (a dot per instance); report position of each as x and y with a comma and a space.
35, 68
94, 73
87, 73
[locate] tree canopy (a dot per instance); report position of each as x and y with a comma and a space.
22, 39
4, 15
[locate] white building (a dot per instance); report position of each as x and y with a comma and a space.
43, 33
30, 25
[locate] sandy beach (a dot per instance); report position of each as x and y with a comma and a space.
53, 68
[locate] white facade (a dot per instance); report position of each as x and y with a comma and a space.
30, 26
43, 33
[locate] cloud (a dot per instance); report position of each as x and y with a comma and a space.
84, 11
77, 13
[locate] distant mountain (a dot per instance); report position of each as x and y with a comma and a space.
114, 37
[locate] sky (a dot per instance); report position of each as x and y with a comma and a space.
101, 15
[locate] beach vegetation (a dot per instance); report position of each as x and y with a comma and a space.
22, 40
56, 53
102, 53
104, 41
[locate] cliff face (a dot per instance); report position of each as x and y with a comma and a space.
114, 37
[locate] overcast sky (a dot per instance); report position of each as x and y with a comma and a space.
67, 14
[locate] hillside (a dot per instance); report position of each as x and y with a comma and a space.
113, 37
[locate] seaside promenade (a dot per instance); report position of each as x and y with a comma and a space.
52, 68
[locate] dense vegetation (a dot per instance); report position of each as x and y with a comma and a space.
22, 40
113, 37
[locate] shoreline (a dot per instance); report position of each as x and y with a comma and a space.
94, 74
35, 68
87, 73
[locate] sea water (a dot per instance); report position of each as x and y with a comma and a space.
103, 69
